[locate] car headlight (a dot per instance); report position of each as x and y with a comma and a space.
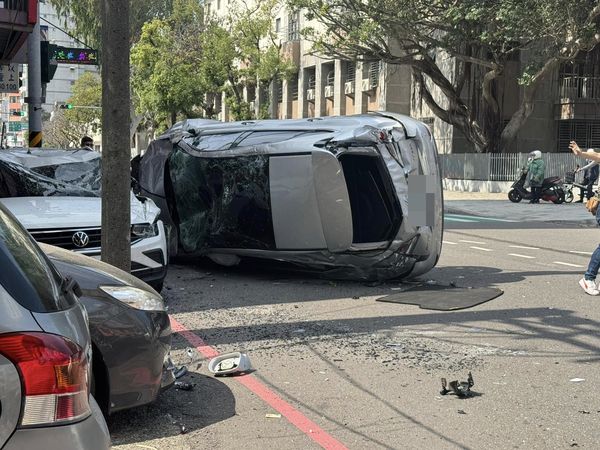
144, 230
136, 298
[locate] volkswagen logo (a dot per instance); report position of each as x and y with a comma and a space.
80, 239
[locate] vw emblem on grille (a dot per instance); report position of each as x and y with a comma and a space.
80, 239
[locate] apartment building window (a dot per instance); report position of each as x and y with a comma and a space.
374, 69
294, 26
14, 99
350, 72
279, 87
293, 87
208, 9
330, 80
312, 81
585, 132
278, 25
218, 5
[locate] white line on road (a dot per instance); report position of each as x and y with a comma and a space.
471, 242
456, 219
449, 243
580, 253
566, 264
483, 249
521, 256
523, 247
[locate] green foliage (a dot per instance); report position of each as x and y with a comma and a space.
242, 51
482, 36
165, 79
87, 91
85, 16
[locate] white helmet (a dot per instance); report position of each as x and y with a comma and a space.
536, 154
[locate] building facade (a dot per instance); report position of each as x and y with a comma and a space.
567, 105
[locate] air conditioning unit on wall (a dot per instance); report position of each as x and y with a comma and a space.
328, 91
368, 85
349, 88
310, 95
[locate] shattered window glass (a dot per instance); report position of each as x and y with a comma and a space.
19, 181
222, 202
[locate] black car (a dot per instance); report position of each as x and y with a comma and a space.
130, 330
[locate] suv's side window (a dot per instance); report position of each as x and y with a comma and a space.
26, 273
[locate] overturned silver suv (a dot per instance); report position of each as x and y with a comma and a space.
356, 197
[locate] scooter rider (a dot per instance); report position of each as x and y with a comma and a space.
535, 174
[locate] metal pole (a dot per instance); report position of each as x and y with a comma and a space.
34, 86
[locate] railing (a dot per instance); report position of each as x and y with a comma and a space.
502, 167
15, 5
579, 88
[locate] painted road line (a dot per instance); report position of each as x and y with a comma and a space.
471, 242
580, 253
566, 264
523, 247
482, 249
521, 256
455, 219
261, 390
479, 218
449, 243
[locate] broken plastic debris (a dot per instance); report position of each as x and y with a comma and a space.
273, 416
461, 389
461, 411
178, 373
183, 386
183, 429
299, 330
576, 380
230, 363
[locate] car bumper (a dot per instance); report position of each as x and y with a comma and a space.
137, 371
91, 434
148, 257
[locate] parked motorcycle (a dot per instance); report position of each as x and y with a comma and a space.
552, 189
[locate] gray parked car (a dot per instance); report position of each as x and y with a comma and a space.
45, 352
130, 329
356, 197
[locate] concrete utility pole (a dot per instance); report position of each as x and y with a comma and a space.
116, 148
34, 86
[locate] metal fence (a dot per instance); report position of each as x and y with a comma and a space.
502, 167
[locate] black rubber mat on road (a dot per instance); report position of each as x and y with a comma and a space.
443, 298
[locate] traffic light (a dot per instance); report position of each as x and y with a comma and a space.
66, 106
49, 64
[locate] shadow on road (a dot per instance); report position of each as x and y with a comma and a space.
210, 402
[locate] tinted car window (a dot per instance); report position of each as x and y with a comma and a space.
213, 142
26, 273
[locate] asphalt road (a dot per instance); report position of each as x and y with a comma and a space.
347, 371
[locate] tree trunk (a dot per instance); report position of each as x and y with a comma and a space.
173, 117
116, 146
457, 113
518, 119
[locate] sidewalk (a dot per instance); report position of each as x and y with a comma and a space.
498, 206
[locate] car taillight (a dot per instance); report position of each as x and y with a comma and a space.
54, 374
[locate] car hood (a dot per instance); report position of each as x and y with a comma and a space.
88, 271
72, 212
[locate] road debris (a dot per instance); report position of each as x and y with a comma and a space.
183, 386
230, 363
577, 380
273, 416
179, 372
461, 411
461, 389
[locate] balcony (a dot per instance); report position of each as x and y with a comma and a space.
577, 98
579, 88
